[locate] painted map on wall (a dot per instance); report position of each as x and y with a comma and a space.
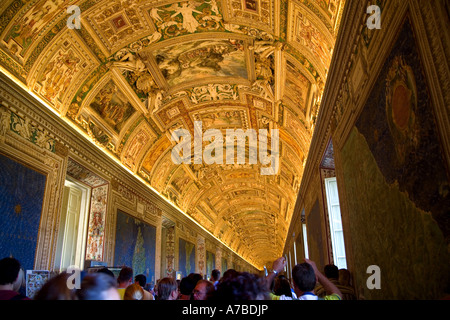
315, 235
135, 245
21, 195
224, 265
396, 183
210, 262
186, 258
399, 126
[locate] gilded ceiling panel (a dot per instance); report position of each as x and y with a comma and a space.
61, 70
310, 34
137, 145
226, 118
136, 71
196, 61
27, 23
296, 88
180, 18
257, 13
117, 23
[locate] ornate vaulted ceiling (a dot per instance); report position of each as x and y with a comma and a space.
137, 70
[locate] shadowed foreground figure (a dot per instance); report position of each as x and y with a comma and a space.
241, 286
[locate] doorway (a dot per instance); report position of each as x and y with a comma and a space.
71, 244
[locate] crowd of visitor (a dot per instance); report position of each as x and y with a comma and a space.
307, 283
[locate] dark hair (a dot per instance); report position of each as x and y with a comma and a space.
9, 270
141, 279
126, 274
282, 287
165, 287
56, 289
243, 286
331, 271
196, 277
304, 277
229, 273
94, 286
105, 270
187, 285
215, 274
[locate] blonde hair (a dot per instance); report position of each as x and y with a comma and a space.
133, 292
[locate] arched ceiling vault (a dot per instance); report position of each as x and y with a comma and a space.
138, 70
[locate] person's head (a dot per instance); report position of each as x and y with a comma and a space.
304, 277
56, 288
186, 287
196, 277
282, 287
125, 277
203, 290
331, 271
344, 277
243, 286
9, 271
167, 289
141, 280
98, 286
215, 275
134, 292
230, 273
107, 271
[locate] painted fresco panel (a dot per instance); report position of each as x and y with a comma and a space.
112, 106
187, 17
210, 262
135, 245
396, 181
399, 126
21, 196
96, 228
315, 235
224, 265
197, 60
186, 257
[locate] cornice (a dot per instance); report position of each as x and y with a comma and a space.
346, 41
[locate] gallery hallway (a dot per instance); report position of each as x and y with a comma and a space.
185, 136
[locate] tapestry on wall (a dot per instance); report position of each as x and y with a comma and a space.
135, 245
186, 261
21, 196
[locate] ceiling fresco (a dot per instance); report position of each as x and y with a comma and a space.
136, 71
